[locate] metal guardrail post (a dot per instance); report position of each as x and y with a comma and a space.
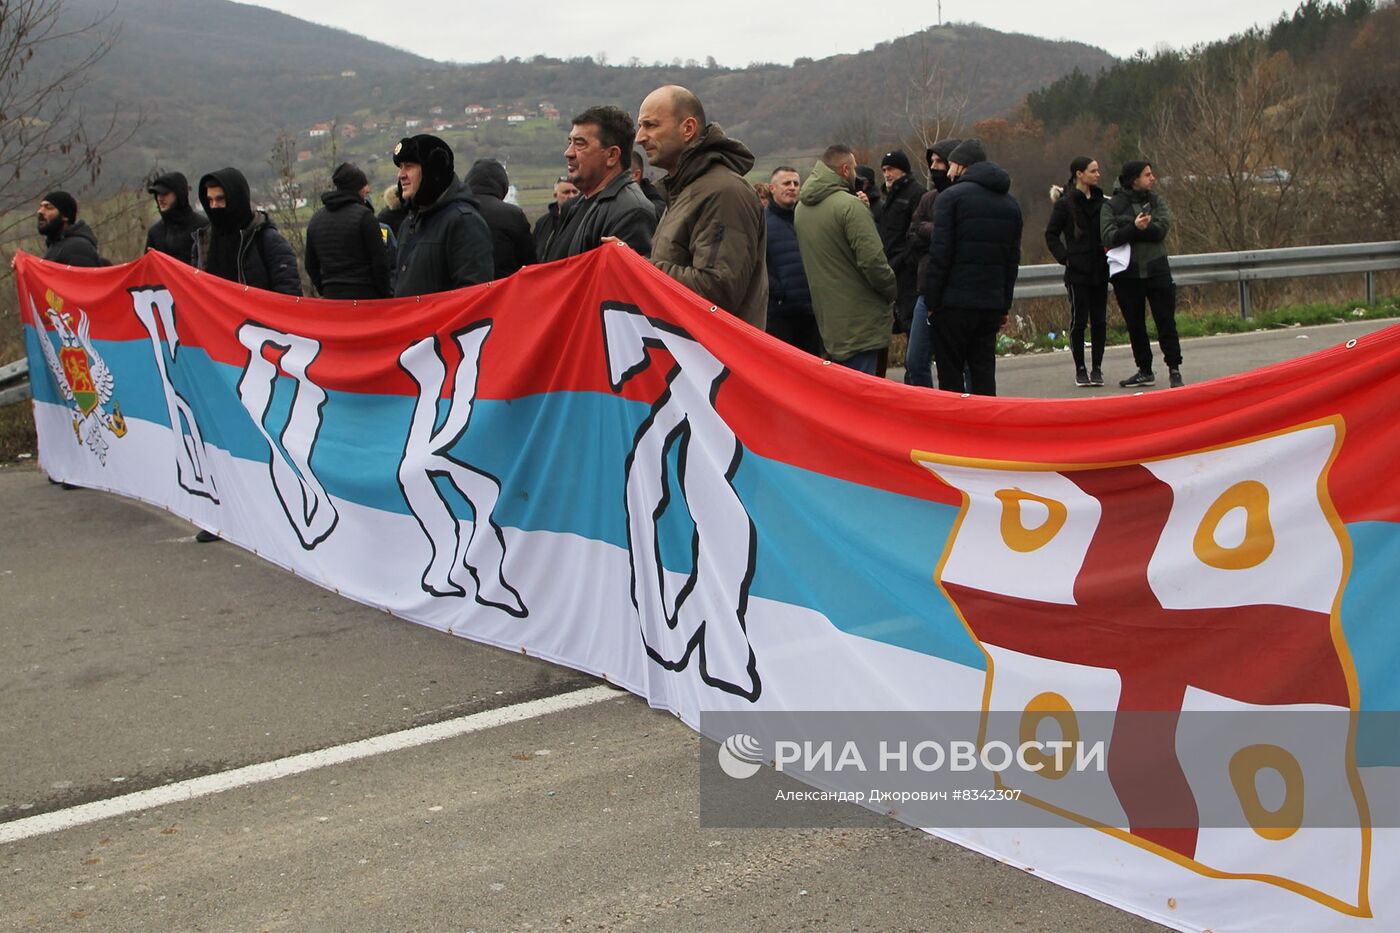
1370, 288
1245, 310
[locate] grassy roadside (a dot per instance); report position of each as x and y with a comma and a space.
17, 423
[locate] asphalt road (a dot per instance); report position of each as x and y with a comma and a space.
584, 818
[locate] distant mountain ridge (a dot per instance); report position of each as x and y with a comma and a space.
217, 80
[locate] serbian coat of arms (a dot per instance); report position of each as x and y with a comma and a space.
82, 377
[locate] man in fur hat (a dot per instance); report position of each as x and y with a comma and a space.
445, 243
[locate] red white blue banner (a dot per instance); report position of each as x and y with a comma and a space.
589, 463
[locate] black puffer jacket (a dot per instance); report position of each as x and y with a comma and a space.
896, 212
920, 232
975, 250
513, 246
251, 252
74, 245
1073, 237
174, 233
345, 253
620, 209
444, 246
788, 292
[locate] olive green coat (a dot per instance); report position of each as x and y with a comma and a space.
853, 286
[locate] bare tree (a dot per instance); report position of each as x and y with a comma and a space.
1238, 144
290, 196
47, 140
930, 104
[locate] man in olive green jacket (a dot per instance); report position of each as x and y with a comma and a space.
853, 286
712, 237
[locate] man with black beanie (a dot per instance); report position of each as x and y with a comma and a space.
444, 243
241, 244
974, 256
346, 256
902, 195
173, 234
69, 240
1135, 215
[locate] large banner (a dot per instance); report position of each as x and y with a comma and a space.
588, 463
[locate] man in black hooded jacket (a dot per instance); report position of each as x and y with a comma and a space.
902, 195
513, 246
173, 234
346, 256
444, 243
241, 244
69, 240
974, 255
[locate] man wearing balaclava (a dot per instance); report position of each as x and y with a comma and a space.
241, 244
174, 233
69, 240
918, 359
444, 243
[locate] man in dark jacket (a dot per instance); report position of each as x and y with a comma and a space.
548, 222
512, 244
346, 256
974, 255
609, 203
1136, 215
444, 243
241, 244
790, 316
174, 233
902, 194
918, 359
69, 240
639, 175
712, 238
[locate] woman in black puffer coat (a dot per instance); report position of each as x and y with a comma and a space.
1074, 239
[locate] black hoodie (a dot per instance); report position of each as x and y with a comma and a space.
346, 256
174, 233
74, 245
510, 232
241, 244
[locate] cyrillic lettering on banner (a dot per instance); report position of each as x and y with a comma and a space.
155, 308
304, 500
705, 614
428, 457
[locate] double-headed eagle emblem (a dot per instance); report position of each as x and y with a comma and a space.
81, 375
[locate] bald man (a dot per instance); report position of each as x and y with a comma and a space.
712, 238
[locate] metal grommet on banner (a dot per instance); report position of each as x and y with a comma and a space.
826, 362
967, 395
1351, 343
713, 309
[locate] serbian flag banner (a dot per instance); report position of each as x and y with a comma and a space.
589, 463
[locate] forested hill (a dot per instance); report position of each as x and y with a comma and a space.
216, 81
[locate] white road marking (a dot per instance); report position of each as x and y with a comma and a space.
297, 764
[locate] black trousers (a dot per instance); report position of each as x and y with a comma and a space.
966, 338
800, 330
1088, 307
1134, 295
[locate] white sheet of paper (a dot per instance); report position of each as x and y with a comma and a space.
1118, 258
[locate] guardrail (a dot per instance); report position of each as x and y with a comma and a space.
14, 382
1047, 281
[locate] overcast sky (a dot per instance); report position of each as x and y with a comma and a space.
737, 32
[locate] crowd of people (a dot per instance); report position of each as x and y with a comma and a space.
830, 264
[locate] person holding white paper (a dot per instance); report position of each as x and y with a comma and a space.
1137, 217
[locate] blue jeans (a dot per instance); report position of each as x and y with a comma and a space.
918, 359
865, 361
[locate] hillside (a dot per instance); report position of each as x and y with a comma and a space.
216, 83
